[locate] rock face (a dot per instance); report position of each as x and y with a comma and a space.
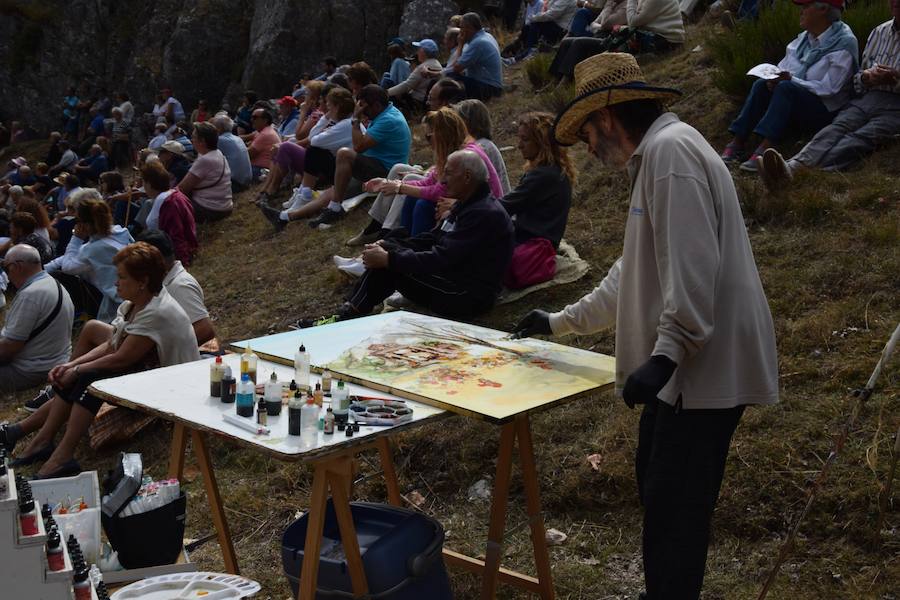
210, 49
427, 19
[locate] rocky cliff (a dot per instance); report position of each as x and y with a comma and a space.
209, 49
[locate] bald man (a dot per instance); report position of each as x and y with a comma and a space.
37, 334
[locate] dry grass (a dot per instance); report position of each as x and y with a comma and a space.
828, 256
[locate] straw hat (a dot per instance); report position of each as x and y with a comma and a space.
603, 80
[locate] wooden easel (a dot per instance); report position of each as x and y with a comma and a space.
333, 476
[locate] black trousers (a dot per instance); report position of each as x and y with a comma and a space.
85, 297
477, 90
320, 163
443, 296
680, 462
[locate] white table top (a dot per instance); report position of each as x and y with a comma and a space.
180, 393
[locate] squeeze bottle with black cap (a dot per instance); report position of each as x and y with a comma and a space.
295, 407
229, 386
301, 368
55, 559
82, 584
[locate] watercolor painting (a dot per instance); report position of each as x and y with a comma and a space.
467, 368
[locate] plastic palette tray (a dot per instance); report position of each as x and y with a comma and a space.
189, 586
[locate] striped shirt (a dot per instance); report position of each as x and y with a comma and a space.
882, 48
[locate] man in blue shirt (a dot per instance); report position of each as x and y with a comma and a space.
235, 151
376, 149
479, 67
91, 166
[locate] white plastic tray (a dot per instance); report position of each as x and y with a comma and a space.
189, 586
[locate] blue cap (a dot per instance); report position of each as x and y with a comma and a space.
397, 41
427, 45
245, 376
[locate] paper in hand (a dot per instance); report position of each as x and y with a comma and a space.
765, 71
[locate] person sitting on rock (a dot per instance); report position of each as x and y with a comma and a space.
159, 136
870, 119
454, 270
22, 227
235, 151
173, 157
37, 332
150, 330
399, 67
444, 92
549, 25
208, 183
359, 75
66, 161
329, 135
329, 66
634, 26
478, 123
416, 84
264, 139
89, 168
289, 118
813, 84
478, 67
376, 148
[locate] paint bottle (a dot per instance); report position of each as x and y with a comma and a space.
326, 382
309, 416
273, 396
248, 363
55, 559
340, 401
295, 406
28, 515
262, 412
301, 368
228, 386
318, 396
328, 427
81, 584
244, 396
216, 370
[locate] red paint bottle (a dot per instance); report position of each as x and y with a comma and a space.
28, 516
55, 559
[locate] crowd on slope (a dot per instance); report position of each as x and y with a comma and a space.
686, 294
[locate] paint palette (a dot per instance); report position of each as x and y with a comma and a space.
189, 586
380, 412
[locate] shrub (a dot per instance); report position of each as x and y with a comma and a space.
537, 69
764, 40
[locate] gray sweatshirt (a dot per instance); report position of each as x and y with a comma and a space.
686, 285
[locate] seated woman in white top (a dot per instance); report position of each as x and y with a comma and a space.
331, 133
150, 330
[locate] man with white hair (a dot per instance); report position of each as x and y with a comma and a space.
235, 152
37, 334
456, 269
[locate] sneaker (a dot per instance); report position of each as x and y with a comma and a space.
262, 198
274, 217
365, 238
397, 300
351, 266
751, 165
774, 170
509, 61
327, 219
732, 153
41, 399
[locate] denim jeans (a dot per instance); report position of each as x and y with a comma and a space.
579, 26
418, 215
777, 113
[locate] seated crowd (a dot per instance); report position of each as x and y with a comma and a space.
447, 236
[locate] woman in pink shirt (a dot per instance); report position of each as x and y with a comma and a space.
447, 132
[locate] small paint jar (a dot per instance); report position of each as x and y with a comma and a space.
55, 559
28, 516
81, 585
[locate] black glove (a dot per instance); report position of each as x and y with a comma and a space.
535, 322
645, 383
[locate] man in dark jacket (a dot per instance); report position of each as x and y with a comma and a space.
457, 268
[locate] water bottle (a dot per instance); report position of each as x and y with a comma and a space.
245, 396
301, 368
309, 423
273, 396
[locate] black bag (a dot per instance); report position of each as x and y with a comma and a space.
149, 539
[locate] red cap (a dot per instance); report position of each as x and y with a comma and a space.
289, 100
834, 3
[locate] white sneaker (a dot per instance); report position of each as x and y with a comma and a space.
397, 300
351, 266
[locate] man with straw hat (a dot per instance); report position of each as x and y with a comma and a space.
695, 341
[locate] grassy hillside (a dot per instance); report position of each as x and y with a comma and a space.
829, 257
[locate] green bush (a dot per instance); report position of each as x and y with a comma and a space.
764, 40
537, 69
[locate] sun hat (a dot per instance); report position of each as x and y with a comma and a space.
19, 161
603, 80
835, 3
173, 147
427, 45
